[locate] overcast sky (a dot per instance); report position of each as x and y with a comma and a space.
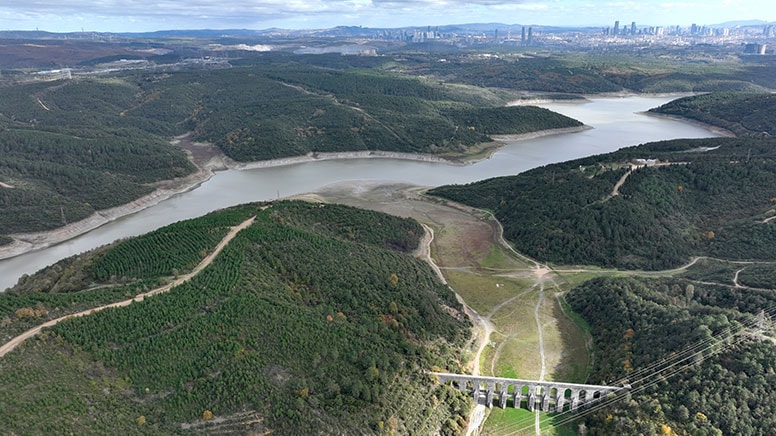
149, 15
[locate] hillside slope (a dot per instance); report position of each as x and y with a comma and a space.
314, 320
745, 114
682, 346
705, 197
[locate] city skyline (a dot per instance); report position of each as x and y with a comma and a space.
139, 16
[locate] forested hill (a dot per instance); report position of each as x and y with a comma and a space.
71, 147
276, 111
67, 151
313, 320
745, 114
681, 346
706, 197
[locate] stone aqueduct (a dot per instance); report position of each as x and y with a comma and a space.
531, 394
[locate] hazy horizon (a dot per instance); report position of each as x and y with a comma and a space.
140, 16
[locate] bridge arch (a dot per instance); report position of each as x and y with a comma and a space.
530, 394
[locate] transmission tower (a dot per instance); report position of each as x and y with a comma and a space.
762, 326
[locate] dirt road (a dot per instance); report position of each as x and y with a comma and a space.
13, 343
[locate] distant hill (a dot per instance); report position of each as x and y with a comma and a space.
338, 31
313, 320
70, 148
279, 111
741, 23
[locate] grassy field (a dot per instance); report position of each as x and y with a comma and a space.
521, 421
520, 301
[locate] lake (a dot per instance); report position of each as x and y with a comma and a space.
616, 123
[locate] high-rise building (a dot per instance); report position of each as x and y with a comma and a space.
530, 35
757, 49
633, 28
522, 37
616, 28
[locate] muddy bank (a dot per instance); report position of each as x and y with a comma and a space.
540, 101
539, 134
313, 157
26, 242
711, 127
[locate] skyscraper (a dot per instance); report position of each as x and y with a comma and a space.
530, 35
633, 28
616, 28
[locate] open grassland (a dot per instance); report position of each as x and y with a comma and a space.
518, 300
521, 421
506, 290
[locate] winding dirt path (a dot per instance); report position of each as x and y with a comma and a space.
424, 252
616, 189
539, 327
41, 104
13, 343
735, 279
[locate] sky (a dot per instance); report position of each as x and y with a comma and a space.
150, 15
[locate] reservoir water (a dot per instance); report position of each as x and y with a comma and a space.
616, 123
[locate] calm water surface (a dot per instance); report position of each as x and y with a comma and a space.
615, 121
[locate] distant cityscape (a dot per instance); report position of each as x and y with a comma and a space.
216, 48
751, 39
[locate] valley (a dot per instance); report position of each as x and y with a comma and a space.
580, 241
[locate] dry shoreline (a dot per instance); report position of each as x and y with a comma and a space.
216, 161
715, 129
27, 242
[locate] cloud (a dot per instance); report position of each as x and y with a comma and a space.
245, 13
123, 15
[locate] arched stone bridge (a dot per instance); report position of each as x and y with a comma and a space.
546, 395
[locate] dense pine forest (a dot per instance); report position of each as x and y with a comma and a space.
289, 110
690, 350
315, 319
592, 73
745, 114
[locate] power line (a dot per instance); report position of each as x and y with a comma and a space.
660, 370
